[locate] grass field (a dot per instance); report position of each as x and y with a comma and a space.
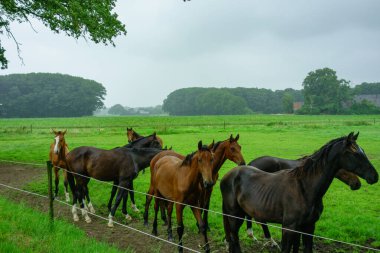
351, 216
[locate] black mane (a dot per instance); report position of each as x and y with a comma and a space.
189, 157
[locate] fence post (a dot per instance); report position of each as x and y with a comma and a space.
50, 191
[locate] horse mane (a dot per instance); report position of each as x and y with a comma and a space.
317, 160
189, 157
216, 145
137, 140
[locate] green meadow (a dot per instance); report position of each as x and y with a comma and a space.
350, 216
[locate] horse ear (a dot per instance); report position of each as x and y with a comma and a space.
211, 145
154, 135
231, 138
349, 138
356, 136
53, 131
171, 147
64, 132
237, 137
129, 129
199, 145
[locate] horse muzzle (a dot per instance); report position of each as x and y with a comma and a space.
242, 163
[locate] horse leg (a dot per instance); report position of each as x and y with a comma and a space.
56, 172
73, 187
120, 194
163, 215
249, 227
170, 211
202, 227
307, 240
271, 242
206, 207
113, 193
233, 218
156, 202
132, 194
288, 238
87, 194
65, 182
181, 227
80, 190
124, 208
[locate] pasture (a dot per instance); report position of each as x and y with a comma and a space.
350, 216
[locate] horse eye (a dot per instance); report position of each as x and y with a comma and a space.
200, 160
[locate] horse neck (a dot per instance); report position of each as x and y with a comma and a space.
63, 150
316, 182
190, 175
136, 136
219, 158
142, 159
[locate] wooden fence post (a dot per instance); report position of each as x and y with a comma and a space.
50, 191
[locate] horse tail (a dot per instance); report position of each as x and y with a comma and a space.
70, 178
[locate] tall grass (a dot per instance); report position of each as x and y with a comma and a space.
352, 216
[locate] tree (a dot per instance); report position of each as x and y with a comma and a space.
117, 109
49, 95
89, 19
324, 92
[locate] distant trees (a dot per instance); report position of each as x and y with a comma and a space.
49, 95
207, 101
324, 92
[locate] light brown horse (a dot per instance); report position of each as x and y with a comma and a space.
223, 150
57, 155
179, 180
132, 135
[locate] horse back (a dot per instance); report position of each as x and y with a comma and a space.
273, 164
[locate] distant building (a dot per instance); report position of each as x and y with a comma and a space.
375, 98
297, 106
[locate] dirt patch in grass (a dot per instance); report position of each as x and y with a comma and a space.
122, 237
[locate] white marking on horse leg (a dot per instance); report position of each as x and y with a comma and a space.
56, 144
91, 207
271, 243
85, 215
250, 234
135, 209
128, 217
84, 204
110, 221
74, 212
67, 196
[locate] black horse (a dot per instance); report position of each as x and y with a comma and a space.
290, 197
120, 165
274, 164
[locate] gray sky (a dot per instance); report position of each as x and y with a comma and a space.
173, 44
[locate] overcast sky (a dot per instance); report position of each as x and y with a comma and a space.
173, 44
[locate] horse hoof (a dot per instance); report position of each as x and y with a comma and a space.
145, 223
76, 218
67, 197
170, 239
110, 224
88, 219
128, 217
92, 210
135, 209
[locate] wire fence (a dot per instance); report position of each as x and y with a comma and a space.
179, 203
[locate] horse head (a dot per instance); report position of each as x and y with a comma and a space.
130, 134
204, 159
233, 150
355, 160
59, 140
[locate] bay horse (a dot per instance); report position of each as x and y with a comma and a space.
179, 180
57, 156
120, 165
290, 197
223, 150
273, 164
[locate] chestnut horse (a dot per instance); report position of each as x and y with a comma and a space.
132, 135
120, 165
274, 164
223, 150
57, 155
179, 180
290, 197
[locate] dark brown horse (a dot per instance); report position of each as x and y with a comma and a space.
274, 164
120, 165
132, 135
179, 180
290, 197
57, 155
223, 150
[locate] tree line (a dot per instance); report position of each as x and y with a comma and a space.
49, 95
322, 93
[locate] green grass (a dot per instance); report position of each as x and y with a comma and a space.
352, 216
25, 230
